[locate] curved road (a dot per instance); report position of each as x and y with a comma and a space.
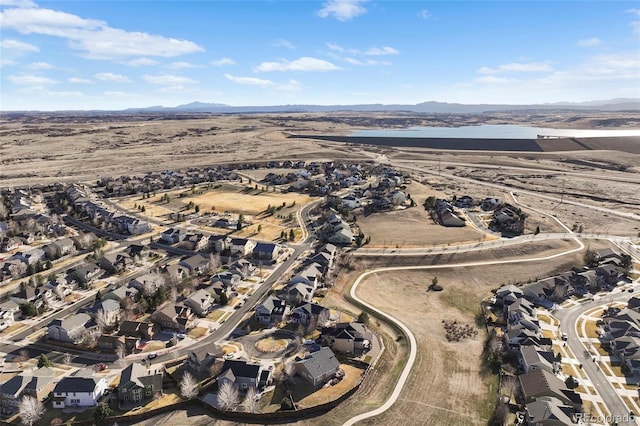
413, 345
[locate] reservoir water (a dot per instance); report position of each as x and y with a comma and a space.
493, 131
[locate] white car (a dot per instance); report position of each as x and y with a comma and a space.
229, 355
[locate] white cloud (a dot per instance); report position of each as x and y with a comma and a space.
380, 51
494, 80
283, 43
18, 3
117, 93
77, 80
40, 66
65, 93
140, 62
94, 37
425, 14
304, 63
168, 80
342, 10
517, 67
30, 80
635, 24
181, 65
222, 62
7, 63
18, 45
368, 62
252, 81
589, 42
108, 76
291, 85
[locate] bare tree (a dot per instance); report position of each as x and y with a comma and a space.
228, 397
59, 291
76, 335
188, 386
30, 409
104, 320
251, 402
214, 262
173, 294
23, 356
66, 358
122, 355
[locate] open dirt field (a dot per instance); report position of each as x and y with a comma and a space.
249, 203
412, 227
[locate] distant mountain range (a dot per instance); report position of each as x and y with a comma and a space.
619, 104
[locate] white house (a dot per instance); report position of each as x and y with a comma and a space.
351, 202
82, 389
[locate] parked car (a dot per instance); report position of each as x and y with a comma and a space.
152, 355
102, 366
181, 336
229, 355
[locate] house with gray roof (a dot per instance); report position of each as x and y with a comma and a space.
196, 265
318, 367
271, 310
121, 293
200, 302
307, 312
38, 384
240, 373
348, 337
548, 411
82, 389
70, 329
534, 358
138, 384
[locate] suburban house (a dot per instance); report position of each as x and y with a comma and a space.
137, 384
137, 251
307, 312
82, 389
70, 329
63, 247
533, 358
171, 236
204, 363
174, 317
318, 367
351, 202
38, 296
139, 329
227, 278
220, 243
541, 383
9, 313
266, 252
115, 262
110, 343
195, 242
110, 310
86, 273
548, 410
216, 289
298, 293
38, 384
121, 293
196, 265
446, 215
240, 373
241, 246
200, 302
271, 310
341, 237
137, 226
147, 284
348, 337
242, 267
325, 256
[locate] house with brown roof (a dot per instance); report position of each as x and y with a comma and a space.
541, 383
174, 317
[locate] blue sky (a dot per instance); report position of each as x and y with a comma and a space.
117, 54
